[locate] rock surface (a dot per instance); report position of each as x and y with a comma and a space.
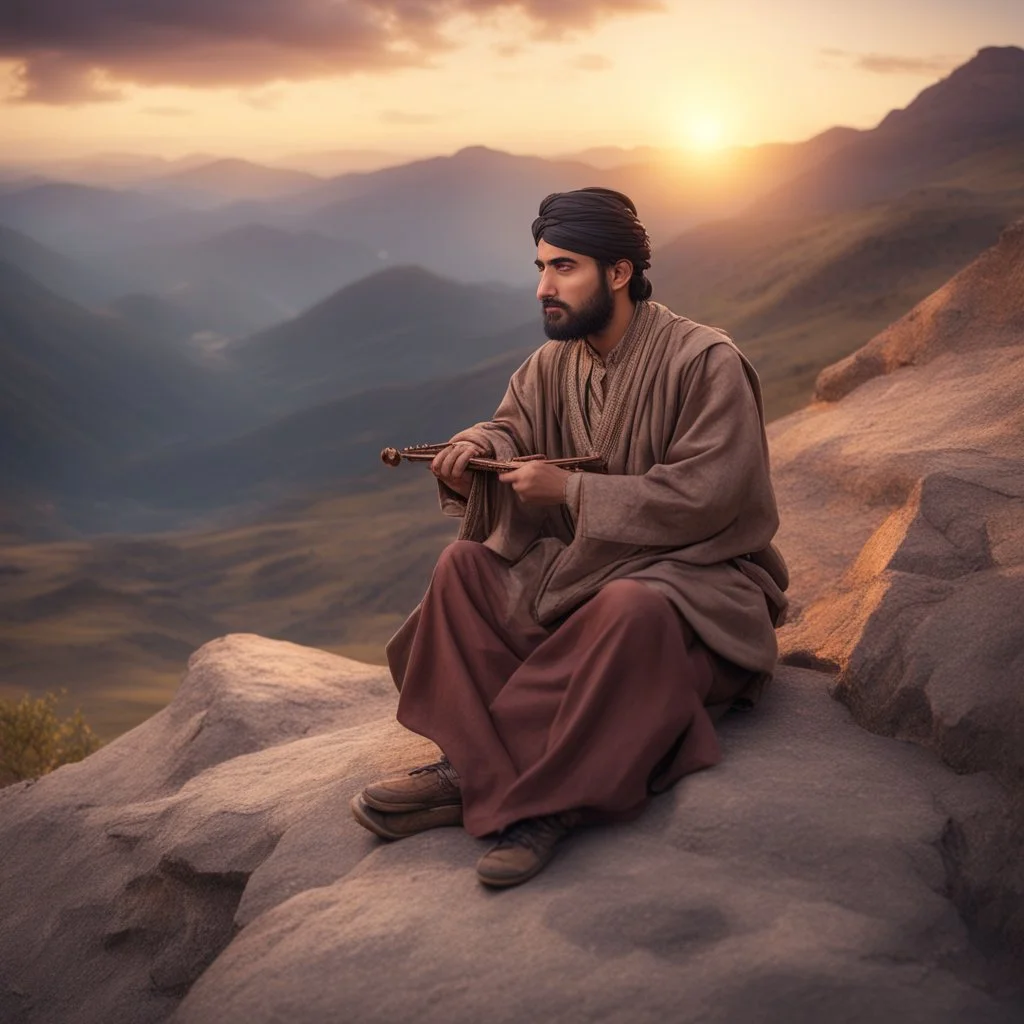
801, 880
904, 524
204, 867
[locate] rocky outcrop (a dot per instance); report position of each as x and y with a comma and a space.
801, 880
905, 523
979, 308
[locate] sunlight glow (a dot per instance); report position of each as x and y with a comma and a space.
703, 133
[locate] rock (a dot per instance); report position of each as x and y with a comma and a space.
802, 879
980, 307
903, 511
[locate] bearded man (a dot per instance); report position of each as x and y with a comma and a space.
577, 642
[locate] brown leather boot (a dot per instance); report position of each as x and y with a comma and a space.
398, 826
523, 849
430, 785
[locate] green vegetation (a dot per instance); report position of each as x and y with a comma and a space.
34, 739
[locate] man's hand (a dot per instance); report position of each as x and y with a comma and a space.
449, 466
537, 483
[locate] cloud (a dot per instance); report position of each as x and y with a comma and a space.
68, 52
592, 62
407, 117
889, 64
894, 64
61, 79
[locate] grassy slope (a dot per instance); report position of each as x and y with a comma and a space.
797, 296
114, 620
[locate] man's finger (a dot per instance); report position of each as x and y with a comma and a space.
462, 459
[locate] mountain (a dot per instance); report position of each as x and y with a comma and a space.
979, 106
328, 163
329, 446
800, 293
77, 219
227, 179
157, 317
69, 278
78, 391
283, 272
468, 215
401, 324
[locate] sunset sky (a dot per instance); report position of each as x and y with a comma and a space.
264, 78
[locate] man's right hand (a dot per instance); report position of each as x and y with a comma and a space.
449, 466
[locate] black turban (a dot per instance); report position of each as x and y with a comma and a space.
597, 222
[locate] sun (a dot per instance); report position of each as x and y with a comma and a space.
703, 133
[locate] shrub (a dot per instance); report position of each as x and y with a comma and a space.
34, 740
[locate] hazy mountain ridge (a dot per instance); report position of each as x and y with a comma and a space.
282, 272
400, 324
69, 278
78, 390
979, 105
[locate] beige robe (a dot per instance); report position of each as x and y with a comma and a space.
686, 504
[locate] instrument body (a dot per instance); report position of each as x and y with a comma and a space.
426, 453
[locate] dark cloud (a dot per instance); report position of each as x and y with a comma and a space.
66, 50
894, 64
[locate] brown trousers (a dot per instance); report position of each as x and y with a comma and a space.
591, 715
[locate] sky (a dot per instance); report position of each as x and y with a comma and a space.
265, 78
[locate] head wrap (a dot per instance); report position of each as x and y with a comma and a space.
600, 223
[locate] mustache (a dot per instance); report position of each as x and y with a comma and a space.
553, 304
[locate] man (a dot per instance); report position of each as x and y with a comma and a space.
577, 640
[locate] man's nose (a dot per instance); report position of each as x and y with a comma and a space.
545, 286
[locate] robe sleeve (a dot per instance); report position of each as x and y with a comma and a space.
508, 433
716, 459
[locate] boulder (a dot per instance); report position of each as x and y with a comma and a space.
903, 512
803, 879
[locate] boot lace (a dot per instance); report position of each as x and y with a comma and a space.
443, 769
536, 834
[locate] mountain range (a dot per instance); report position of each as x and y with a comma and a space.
275, 329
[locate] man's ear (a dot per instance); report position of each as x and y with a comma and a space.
619, 274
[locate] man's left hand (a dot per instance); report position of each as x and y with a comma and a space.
537, 483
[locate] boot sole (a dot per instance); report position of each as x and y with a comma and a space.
507, 881
389, 808
379, 825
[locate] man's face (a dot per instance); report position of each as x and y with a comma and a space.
574, 293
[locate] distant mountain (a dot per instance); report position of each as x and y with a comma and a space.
18, 181
400, 324
224, 180
468, 216
980, 106
78, 391
327, 447
606, 157
78, 219
285, 272
327, 163
157, 317
69, 278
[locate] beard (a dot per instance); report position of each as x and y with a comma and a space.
590, 318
